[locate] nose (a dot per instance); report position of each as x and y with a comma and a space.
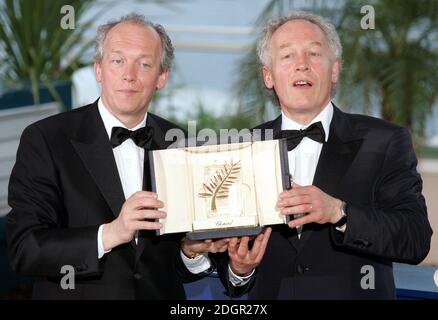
302, 63
130, 72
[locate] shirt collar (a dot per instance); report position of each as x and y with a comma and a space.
111, 121
325, 116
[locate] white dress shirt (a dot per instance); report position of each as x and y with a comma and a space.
304, 158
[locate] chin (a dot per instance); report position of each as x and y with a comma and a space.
127, 109
302, 107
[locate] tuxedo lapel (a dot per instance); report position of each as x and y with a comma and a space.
268, 131
94, 149
335, 159
159, 137
143, 234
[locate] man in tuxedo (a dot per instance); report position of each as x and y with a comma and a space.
78, 190
355, 181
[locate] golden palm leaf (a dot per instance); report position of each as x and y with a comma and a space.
219, 184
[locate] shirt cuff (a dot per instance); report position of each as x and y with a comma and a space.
236, 280
198, 264
100, 249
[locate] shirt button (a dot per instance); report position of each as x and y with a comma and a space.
301, 269
362, 242
81, 267
137, 276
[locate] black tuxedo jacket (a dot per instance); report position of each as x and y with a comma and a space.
370, 164
64, 185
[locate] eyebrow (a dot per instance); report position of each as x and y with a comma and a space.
139, 57
285, 45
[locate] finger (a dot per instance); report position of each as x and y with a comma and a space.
300, 209
256, 246
148, 203
298, 191
264, 244
301, 221
232, 247
290, 193
143, 202
199, 246
221, 242
227, 239
235, 239
259, 242
306, 190
293, 201
243, 247
145, 194
149, 214
285, 193
146, 225
223, 248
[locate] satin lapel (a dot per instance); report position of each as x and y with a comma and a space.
94, 149
275, 126
143, 234
335, 159
292, 237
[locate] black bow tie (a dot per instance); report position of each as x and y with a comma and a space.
294, 137
142, 137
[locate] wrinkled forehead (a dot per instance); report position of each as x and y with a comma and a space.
135, 34
298, 32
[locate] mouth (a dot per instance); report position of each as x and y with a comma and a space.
127, 91
302, 84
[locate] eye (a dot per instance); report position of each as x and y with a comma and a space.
315, 54
287, 56
116, 61
145, 65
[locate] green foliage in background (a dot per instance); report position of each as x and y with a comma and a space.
396, 64
35, 50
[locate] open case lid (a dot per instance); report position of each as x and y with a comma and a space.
217, 191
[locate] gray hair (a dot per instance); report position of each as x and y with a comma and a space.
272, 25
167, 54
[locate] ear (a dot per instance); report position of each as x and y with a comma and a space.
98, 71
267, 77
162, 79
335, 71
